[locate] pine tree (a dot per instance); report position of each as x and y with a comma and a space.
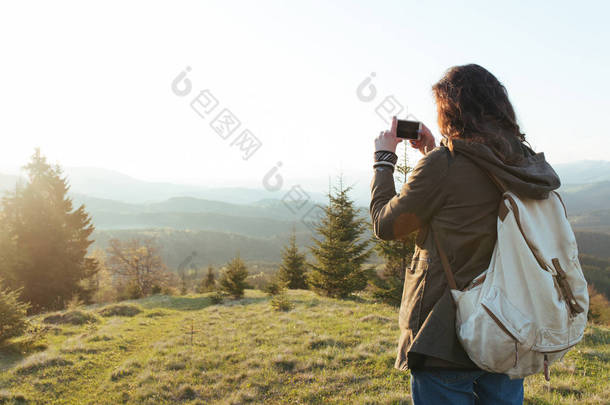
209, 282
186, 272
397, 253
292, 269
9, 255
340, 254
51, 237
13, 314
233, 278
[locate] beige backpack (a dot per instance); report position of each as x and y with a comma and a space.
530, 306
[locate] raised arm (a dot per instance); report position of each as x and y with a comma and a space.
395, 216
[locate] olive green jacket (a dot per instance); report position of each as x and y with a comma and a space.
452, 195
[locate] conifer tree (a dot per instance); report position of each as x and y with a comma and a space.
13, 314
233, 278
51, 237
293, 266
340, 253
209, 282
397, 253
9, 255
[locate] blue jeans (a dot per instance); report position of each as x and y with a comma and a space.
455, 387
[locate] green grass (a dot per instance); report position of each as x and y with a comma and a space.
322, 351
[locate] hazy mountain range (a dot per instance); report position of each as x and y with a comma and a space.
218, 222
112, 185
118, 201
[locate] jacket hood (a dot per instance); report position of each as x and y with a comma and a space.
531, 177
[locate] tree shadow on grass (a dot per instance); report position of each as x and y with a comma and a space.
10, 354
15, 350
8, 360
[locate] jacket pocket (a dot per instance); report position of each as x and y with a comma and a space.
412, 293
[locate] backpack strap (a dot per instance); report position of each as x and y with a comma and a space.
444, 261
502, 213
565, 288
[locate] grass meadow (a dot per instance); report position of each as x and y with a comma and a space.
187, 350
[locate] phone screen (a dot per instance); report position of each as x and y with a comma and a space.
408, 129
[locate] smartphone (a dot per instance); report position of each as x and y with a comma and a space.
408, 130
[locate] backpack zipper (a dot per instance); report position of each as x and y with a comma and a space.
501, 326
547, 374
497, 321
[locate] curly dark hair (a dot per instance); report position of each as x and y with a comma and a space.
473, 105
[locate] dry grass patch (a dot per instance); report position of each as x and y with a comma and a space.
40, 361
375, 318
323, 342
7, 397
127, 310
128, 368
74, 317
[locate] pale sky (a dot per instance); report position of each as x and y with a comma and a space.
90, 83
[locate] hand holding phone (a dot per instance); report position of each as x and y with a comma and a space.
387, 140
426, 141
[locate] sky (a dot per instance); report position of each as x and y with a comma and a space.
92, 83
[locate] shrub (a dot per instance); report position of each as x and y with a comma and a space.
275, 286
217, 297
280, 302
120, 310
169, 290
32, 338
75, 317
599, 307
208, 283
75, 302
233, 278
13, 315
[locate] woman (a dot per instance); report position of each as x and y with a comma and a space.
450, 195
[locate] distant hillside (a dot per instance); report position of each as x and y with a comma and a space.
249, 226
596, 221
597, 273
586, 197
215, 248
584, 171
593, 244
212, 247
117, 201
268, 208
112, 185
264, 218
